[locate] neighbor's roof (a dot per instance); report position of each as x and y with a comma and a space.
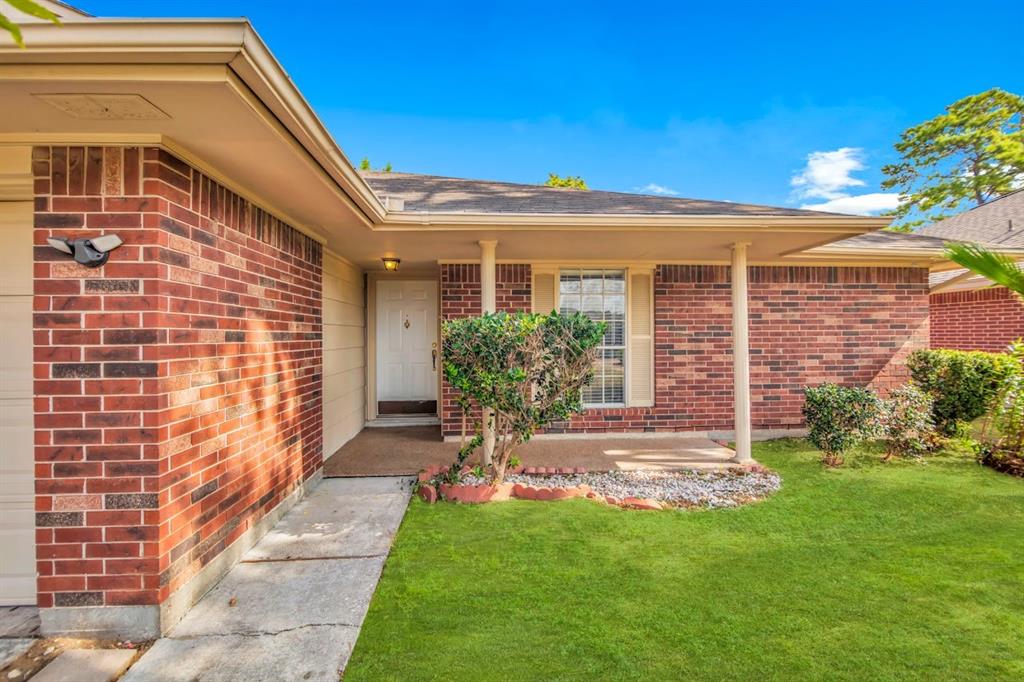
1000, 221
436, 194
885, 240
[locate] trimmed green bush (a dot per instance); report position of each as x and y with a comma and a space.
838, 418
962, 384
906, 422
1007, 421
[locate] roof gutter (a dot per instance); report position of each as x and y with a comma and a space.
421, 222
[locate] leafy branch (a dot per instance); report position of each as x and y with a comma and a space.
27, 7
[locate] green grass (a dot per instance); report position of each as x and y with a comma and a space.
874, 571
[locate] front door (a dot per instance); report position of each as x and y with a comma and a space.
17, 476
407, 354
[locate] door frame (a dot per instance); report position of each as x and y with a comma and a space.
371, 330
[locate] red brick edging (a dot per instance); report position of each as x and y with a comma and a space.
481, 493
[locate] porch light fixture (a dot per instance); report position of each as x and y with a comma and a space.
391, 264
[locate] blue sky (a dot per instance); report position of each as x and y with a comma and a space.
786, 103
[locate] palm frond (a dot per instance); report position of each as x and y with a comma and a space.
12, 28
34, 9
997, 267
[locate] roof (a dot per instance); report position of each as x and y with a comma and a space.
999, 222
437, 194
64, 10
888, 241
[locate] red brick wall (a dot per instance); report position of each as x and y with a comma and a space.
807, 325
983, 319
178, 386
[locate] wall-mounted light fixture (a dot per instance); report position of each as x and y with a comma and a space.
90, 252
391, 264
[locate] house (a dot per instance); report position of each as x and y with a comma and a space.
160, 412
967, 311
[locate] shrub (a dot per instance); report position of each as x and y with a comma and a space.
906, 422
838, 418
1008, 406
962, 384
529, 369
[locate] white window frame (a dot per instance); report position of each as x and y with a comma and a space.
626, 326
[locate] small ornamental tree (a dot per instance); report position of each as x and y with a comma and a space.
838, 418
529, 369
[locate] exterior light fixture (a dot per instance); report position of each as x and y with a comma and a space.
90, 252
391, 264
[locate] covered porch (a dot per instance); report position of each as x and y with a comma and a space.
406, 450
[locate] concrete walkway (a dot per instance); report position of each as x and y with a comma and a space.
292, 608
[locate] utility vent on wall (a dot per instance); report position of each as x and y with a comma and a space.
105, 107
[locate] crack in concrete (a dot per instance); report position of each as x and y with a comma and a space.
314, 558
261, 633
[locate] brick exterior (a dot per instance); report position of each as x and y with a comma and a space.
807, 325
983, 319
177, 387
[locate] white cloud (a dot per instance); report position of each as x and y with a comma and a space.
652, 188
827, 174
863, 204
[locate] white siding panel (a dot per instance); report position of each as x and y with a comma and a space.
17, 475
344, 353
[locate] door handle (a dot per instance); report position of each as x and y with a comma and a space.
433, 359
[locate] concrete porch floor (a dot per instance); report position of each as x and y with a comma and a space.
402, 451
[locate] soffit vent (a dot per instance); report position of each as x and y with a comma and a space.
105, 107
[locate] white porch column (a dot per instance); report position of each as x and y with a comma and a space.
488, 304
741, 351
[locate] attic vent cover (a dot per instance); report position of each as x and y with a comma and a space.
105, 107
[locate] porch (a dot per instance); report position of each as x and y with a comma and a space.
397, 451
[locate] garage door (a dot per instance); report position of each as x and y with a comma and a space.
17, 520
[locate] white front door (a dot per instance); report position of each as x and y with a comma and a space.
17, 483
408, 357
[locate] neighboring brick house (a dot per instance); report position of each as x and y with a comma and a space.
968, 312
161, 411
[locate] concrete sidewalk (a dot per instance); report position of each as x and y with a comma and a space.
292, 608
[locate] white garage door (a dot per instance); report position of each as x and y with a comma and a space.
17, 520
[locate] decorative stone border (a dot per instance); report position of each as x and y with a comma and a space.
479, 494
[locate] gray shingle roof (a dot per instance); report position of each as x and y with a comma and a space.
436, 194
885, 240
988, 224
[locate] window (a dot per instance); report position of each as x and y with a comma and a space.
601, 296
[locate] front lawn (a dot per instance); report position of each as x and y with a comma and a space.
872, 571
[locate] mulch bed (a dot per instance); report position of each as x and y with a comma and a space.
1007, 464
